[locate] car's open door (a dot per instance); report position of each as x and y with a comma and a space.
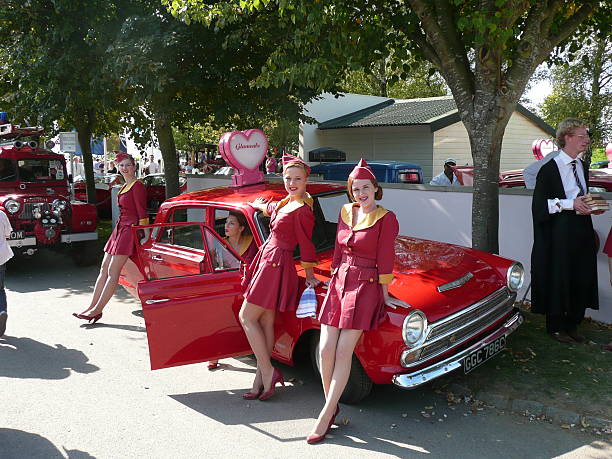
190, 295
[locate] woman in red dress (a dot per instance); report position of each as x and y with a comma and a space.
608, 251
120, 246
362, 268
239, 237
272, 281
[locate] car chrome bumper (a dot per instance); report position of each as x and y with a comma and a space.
25, 242
412, 380
77, 237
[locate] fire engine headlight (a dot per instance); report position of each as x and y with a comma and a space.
515, 276
60, 204
12, 206
413, 330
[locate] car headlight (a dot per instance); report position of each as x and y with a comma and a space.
60, 204
12, 206
413, 330
515, 276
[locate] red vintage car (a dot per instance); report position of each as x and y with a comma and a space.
188, 280
600, 180
103, 185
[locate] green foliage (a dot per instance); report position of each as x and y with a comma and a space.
583, 89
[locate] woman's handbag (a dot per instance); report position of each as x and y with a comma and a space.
307, 307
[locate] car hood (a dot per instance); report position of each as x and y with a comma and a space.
421, 266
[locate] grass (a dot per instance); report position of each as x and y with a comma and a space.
535, 367
105, 228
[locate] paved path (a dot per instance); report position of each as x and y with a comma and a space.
78, 391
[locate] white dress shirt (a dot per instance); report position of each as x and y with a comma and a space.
153, 167
6, 253
570, 186
442, 180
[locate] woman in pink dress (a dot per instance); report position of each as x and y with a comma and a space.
362, 268
271, 164
608, 251
272, 281
239, 237
120, 246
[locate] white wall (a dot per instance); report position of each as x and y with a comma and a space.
444, 214
453, 142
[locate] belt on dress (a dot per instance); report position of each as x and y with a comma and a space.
354, 260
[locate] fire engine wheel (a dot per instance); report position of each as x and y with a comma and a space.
85, 253
359, 384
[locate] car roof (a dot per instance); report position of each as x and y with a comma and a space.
274, 191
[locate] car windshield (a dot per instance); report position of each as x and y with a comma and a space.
326, 209
7, 170
40, 170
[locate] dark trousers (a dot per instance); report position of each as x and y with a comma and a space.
2, 292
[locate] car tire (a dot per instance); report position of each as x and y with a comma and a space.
359, 384
85, 253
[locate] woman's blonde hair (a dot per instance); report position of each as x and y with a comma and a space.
299, 164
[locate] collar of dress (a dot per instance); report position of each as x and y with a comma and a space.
290, 206
127, 187
367, 221
245, 242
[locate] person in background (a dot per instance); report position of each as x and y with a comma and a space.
6, 253
160, 166
152, 166
608, 251
563, 257
446, 177
112, 169
270, 163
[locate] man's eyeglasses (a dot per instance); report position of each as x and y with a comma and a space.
582, 136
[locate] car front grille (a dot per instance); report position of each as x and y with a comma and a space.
29, 207
463, 325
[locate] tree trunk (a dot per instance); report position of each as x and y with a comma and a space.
163, 131
83, 127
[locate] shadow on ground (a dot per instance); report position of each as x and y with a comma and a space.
26, 358
17, 444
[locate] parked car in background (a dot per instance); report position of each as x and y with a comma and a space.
188, 278
156, 190
385, 171
600, 164
104, 184
326, 155
600, 180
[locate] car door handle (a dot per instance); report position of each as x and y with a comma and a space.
162, 300
156, 258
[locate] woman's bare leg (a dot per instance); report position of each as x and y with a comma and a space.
100, 281
327, 354
251, 317
342, 368
114, 270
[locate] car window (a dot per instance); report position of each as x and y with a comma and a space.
188, 236
219, 224
189, 214
7, 170
221, 257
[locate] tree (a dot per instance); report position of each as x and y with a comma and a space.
50, 70
485, 50
583, 89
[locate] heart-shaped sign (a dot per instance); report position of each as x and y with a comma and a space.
542, 147
244, 151
609, 153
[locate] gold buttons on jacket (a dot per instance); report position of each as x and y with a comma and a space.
274, 265
371, 280
349, 249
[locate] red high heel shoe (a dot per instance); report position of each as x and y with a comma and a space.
213, 365
312, 439
90, 319
277, 376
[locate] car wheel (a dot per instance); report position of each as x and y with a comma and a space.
85, 253
359, 384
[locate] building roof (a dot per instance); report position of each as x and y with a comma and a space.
437, 112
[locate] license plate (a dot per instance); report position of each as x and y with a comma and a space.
17, 235
480, 356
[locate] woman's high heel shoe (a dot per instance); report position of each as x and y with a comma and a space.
277, 376
311, 439
90, 319
252, 395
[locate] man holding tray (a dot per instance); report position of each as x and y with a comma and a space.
563, 258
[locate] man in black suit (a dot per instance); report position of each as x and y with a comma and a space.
563, 258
